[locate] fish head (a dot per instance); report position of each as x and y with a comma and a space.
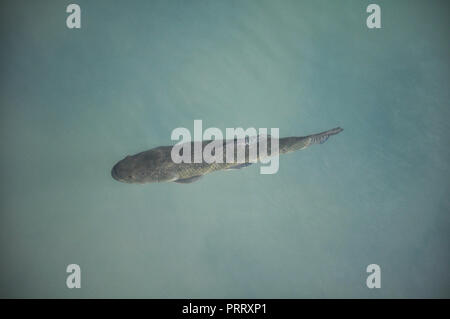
137, 169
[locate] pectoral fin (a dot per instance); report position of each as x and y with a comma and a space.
188, 180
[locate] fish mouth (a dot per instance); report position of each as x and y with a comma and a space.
114, 174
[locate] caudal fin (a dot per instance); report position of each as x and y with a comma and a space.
321, 138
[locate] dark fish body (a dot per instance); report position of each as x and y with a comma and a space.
156, 165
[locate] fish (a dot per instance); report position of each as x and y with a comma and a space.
156, 165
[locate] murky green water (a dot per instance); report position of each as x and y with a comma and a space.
74, 102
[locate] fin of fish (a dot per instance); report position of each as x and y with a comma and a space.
323, 137
239, 166
188, 180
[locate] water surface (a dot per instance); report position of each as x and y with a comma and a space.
74, 102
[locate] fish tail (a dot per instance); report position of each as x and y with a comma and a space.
292, 144
321, 138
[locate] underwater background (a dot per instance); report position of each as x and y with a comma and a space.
73, 102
